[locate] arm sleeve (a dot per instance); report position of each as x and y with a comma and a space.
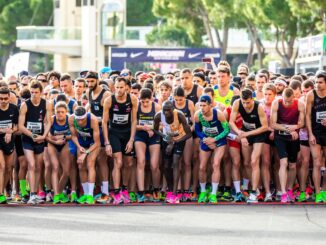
199, 132
224, 133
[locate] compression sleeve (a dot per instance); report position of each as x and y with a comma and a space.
198, 130
224, 133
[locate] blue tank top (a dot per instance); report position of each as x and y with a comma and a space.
57, 129
211, 128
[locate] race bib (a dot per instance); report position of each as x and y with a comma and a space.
146, 122
320, 115
6, 124
249, 126
84, 134
63, 132
210, 131
120, 119
34, 127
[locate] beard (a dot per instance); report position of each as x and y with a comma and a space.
93, 88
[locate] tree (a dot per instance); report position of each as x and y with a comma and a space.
140, 13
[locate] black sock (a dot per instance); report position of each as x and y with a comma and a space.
116, 191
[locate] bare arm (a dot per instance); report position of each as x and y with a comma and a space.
134, 110
73, 131
183, 121
96, 134
21, 121
233, 117
105, 120
310, 99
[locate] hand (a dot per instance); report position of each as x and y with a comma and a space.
212, 146
295, 135
209, 141
108, 150
312, 139
81, 158
147, 128
61, 141
150, 133
271, 136
8, 138
291, 128
129, 146
169, 149
244, 141
82, 150
323, 122
243, 135
39, 139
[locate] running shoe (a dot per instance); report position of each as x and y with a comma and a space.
39, 200
49, 197
252, 198
261, 196
239, 197
133, 197
227, 197
90, 199
319, 198
32, 200
302, 197
284, 198
323, 193
64, 198
202, 197
212, 198
73, 196
156, 196
16, 198
3, 199
125, 196
245, 194
41, 194
82, 199
56, 199
117, 199
103, 199
162, 196
140, 198
148, 197
291, 196
309, 193
278, 196
171, 198
186, 197
268, 197
179, 196
193, 196
25, 199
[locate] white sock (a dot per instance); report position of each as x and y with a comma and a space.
105, 187
237, 186
91, 188
245, 184
202, 187
214, 188
85, 188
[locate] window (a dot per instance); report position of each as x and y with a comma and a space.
92, 2
78, 3
57, 4
85, 2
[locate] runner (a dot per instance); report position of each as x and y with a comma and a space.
316, 125
261, 80
80, 89
252, 135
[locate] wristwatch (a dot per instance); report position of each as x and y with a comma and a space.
87, 152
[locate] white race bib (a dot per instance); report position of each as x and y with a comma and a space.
6, 124
146, 122
320, 115
249, 126
210, 131
34, 127
120, 119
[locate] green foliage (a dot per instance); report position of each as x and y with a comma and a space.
140, 13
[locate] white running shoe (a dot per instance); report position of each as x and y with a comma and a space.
252, 198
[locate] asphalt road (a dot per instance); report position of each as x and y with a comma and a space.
191, 224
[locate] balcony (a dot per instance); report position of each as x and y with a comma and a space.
50, 40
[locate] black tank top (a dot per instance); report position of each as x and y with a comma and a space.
193, 95
96, 107
120, 114
251, 120
146, 118
318, 112
185, 110
9, 118
35, 116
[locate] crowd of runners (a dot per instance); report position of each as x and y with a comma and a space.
201, 135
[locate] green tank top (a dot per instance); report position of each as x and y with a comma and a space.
225, 100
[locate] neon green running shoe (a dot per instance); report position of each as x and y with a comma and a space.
3, 199
132, 197
202, 197
90, 199
323, 193
64, 198
212, 198
302, 197
227, 197
56, 199
319, 197
82, 199
73, 197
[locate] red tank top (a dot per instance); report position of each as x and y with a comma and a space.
288, 115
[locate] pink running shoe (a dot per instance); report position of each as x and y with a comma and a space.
41, 194
291, 196
179, 196
125, 196
169, 197
117, 199
186, 197
284, 198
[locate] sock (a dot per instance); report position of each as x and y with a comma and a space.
22, 186
105, 187
245, 184
214, 188
124, 188
91, 188
202, 187
237, 186
116, 191
85, 188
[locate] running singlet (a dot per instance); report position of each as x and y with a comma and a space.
318, 112
287, 115
225, 100
176, 127
251, 120
8, 118
96, 107
57, 129
85, 134
120, 114
238, 120
35, 117
185, 110
144, 118
210, 128
193, 94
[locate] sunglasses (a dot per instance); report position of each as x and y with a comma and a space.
242, 73
42, 80
124, 74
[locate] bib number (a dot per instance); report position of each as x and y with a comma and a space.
120, 119
34, 127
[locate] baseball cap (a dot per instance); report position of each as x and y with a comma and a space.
105, 70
